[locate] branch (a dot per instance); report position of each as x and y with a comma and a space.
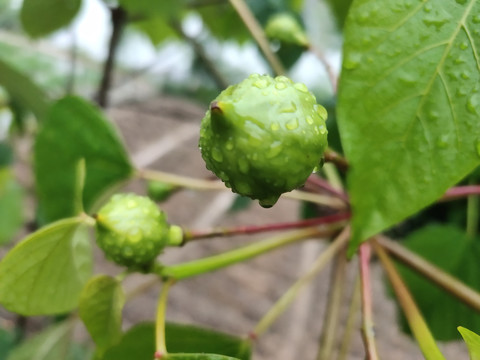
258, 34
338, 160
119, 19
460, 192
325, 185
368, 332
415, 319
190, 235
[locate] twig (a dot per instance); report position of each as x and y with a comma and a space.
443, 279
328, 68
352, 317
415, 319
368, 331
258, 34
459, 192
119, 19
190, 235
211, 68
282, 304
337, 159
325, 185
332, 314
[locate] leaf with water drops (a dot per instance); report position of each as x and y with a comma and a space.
45, 273
409, 105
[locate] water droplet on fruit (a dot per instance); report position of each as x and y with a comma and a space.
261, 83
274, 126
289, 109
243, 165
243, 188
292, 124
280, 86
309, 120
217, 155
301, 87
322, 129
473, 103
461, 2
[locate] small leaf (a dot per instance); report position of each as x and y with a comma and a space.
11, 206
408, 104
138, 343
473, 342
23, 90
51, 343
73, 130
100, 308
45, 273
448, 248
42, 17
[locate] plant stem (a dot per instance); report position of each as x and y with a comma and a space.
328, 68
282, 304
197, 267
443, 279
415, 319
190, 235
459, 192
338, 160
472, 216
119, 19
332, 314
325, 185
352, 317
258, 34
368, 332
210, 67
160, 345
199, 184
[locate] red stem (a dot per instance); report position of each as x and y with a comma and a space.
459, 192
203, 234
323, 184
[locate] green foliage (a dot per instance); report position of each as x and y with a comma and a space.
285, 27
340, 10
11, 205
45, 273
74, 130
51, 343
7, 342
42, 17
100, 308
408, 104
160, 191
23, 90
138, 343
473, 342
451, 250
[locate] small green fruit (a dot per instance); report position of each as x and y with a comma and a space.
131, 230
160, 191
286, 28
264, 136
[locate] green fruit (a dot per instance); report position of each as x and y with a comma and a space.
286, 28
264, 136
160, 191
131, 230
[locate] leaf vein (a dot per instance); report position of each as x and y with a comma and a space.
474, 48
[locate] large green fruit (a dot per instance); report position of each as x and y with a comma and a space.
131, 230
264, 136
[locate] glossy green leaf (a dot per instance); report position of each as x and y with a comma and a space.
450, 249
23, 90
51, 343
100, 308
473, 342
139, 343
45, 273
11, 205
74, 129
408, 106
42, 17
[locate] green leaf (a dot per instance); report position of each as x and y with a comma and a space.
139, 343
7, 342
408, 104
448, 248
340, 10
74, 129
156, 28
23, 90
100, 308
51, 343
473, 342
42, 17
11, 206
45, 273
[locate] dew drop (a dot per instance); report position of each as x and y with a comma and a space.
442, 143
301, 87
243, 188
473, 104
280, 86
427, 8
351, 62
275, 126
322, 112
289, 109
461, 2
322, 129
261, 83
309, 120
465, 75
292, 124
217, 154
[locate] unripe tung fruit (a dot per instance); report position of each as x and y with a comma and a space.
286, 28
131, 230
264, 136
